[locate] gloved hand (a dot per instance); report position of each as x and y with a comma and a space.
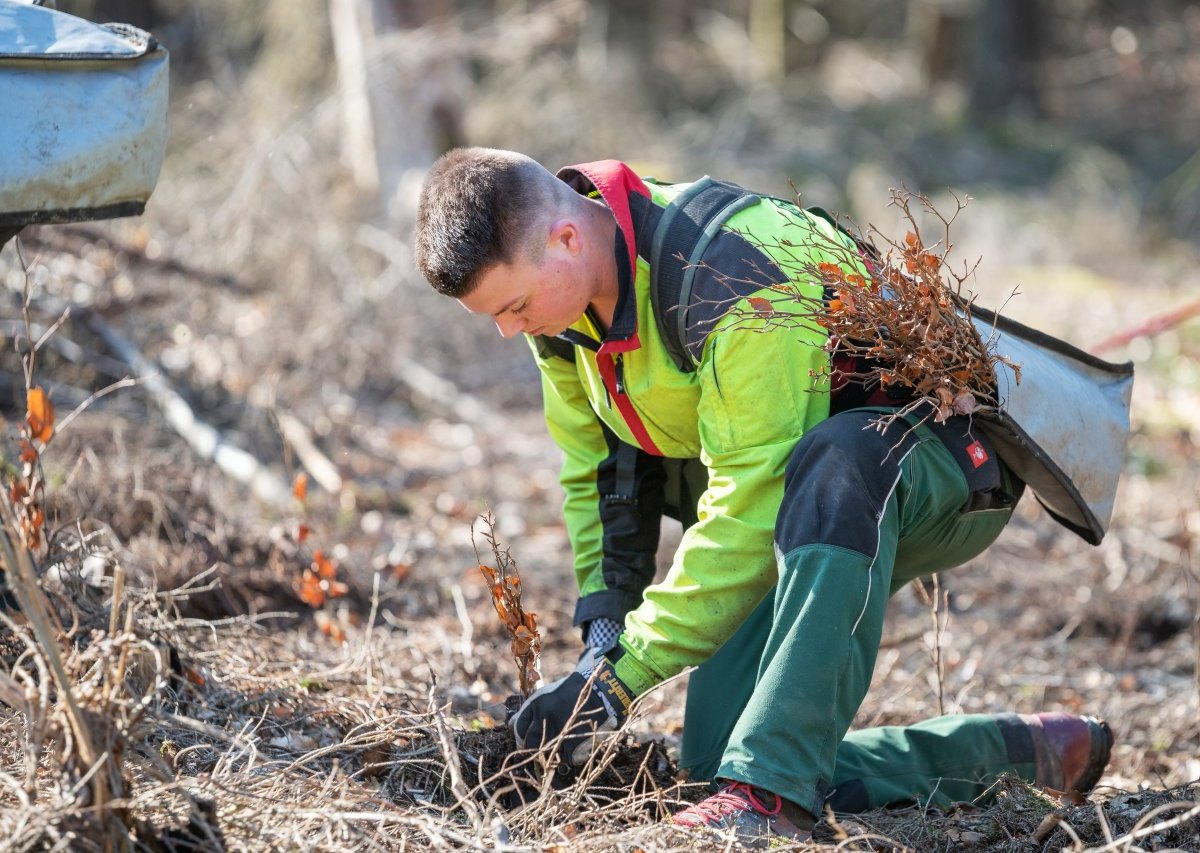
602, 634
602, 700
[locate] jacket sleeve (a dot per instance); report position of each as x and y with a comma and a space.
613, 497
757, 399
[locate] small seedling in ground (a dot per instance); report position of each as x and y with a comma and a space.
504, 583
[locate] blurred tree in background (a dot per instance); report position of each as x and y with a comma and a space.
324, 114
1124, 75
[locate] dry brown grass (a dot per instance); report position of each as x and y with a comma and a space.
270, 735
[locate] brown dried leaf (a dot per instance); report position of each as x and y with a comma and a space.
762, 307
1047, 826
965, 403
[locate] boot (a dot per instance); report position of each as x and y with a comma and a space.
1071, 751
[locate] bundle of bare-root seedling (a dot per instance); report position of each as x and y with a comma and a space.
898, 319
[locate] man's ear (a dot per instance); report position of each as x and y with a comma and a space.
566, 234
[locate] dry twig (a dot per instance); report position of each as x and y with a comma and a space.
938, 602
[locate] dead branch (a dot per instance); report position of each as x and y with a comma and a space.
444, 395
203, 438
22, 579
317, 464
1150, 328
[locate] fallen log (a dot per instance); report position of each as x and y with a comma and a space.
203, 438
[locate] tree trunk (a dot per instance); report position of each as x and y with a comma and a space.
768, 35
1007, 47
353, 32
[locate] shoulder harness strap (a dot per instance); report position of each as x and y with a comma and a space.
684, 231
548, 347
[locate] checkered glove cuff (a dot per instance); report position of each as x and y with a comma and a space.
602, 634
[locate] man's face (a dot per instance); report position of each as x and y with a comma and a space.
541, 297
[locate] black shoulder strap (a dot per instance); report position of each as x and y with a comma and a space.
686, 227
548, 347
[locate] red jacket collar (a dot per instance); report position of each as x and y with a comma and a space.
614, 181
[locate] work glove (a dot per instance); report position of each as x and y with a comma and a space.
584, 705
601, 634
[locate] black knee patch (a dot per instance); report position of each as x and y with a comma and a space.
838, 481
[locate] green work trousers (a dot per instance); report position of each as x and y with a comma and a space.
773, 706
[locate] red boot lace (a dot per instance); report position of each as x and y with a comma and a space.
733, 798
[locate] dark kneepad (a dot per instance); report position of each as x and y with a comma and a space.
838, 481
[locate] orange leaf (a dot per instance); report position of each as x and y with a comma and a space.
310, 590
29, 453
336, 632
323, 566
300, 486
301, 533
326, 624
911, 239
762, 307
335, 588
40, 414
193, 676
30, 534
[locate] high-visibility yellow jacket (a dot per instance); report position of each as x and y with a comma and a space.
617, 405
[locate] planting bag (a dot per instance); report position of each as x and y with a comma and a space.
83, 117
1063, 427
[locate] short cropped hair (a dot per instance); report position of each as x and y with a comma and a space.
478, 207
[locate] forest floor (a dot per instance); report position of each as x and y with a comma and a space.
254, 720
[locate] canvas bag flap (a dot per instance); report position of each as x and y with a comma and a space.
83, 117
1063, 428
